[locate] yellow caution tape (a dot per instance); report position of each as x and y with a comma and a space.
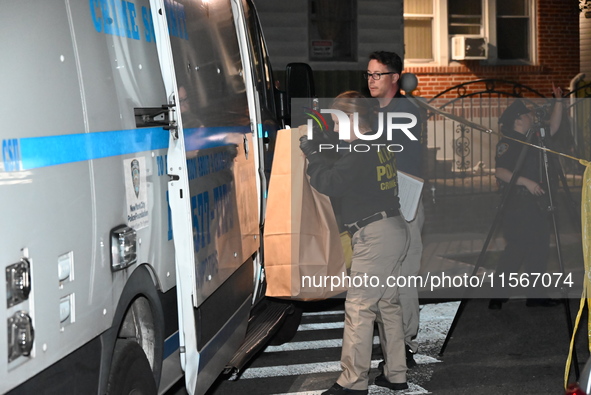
585, 222
585, 233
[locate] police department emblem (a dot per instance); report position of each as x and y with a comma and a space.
135, 176
502, 148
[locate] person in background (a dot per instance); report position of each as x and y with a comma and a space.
383, 76
370, 211
526, 225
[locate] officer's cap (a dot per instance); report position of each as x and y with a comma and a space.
514, 111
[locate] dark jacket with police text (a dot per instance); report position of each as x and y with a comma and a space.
409, 159
366, 182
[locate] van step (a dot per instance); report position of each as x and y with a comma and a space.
264, 322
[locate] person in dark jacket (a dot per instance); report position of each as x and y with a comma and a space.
383, 76
365, 180
526, 225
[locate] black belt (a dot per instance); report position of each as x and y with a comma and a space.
355, 226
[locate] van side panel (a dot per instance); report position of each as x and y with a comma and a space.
44, 207
120, 72
71, 83
77, 162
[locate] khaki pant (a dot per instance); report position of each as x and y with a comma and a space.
409, 296
378, 250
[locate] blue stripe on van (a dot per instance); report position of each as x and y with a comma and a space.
171, 345
36, 152
45, 151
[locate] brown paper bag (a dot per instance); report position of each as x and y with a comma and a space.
301, 236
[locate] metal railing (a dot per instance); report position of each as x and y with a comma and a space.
460, 160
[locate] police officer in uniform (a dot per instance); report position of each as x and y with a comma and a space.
526, 226
365, 179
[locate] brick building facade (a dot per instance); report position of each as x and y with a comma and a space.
380, 26
553, 57
557, 57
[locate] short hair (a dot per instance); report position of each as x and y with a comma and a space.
390, 59
351, 102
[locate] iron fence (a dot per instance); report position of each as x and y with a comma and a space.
461, 160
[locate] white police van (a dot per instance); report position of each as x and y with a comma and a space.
127, 122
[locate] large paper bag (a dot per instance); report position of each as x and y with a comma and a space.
302, 246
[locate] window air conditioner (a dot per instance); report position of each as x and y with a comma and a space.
466, 47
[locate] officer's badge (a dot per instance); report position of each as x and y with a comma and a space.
502, 148
135, 176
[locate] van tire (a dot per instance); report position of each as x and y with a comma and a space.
130, 371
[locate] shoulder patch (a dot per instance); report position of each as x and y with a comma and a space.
502, 148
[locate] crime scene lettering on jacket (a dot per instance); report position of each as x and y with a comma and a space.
386, 171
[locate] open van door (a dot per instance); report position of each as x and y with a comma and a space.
214, 187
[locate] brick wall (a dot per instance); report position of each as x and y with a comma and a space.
558, 57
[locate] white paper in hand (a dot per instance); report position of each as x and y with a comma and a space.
409, 193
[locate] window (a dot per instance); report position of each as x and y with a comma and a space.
464, 16
418, 29
262, 68
507, 25
332, 30
513, 29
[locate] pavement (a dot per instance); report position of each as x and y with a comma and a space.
455, 254
515, 350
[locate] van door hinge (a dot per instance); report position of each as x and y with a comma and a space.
157, 116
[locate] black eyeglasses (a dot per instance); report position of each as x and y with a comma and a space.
376, 76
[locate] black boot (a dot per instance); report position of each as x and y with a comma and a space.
382, 381
410, 360
337, 389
